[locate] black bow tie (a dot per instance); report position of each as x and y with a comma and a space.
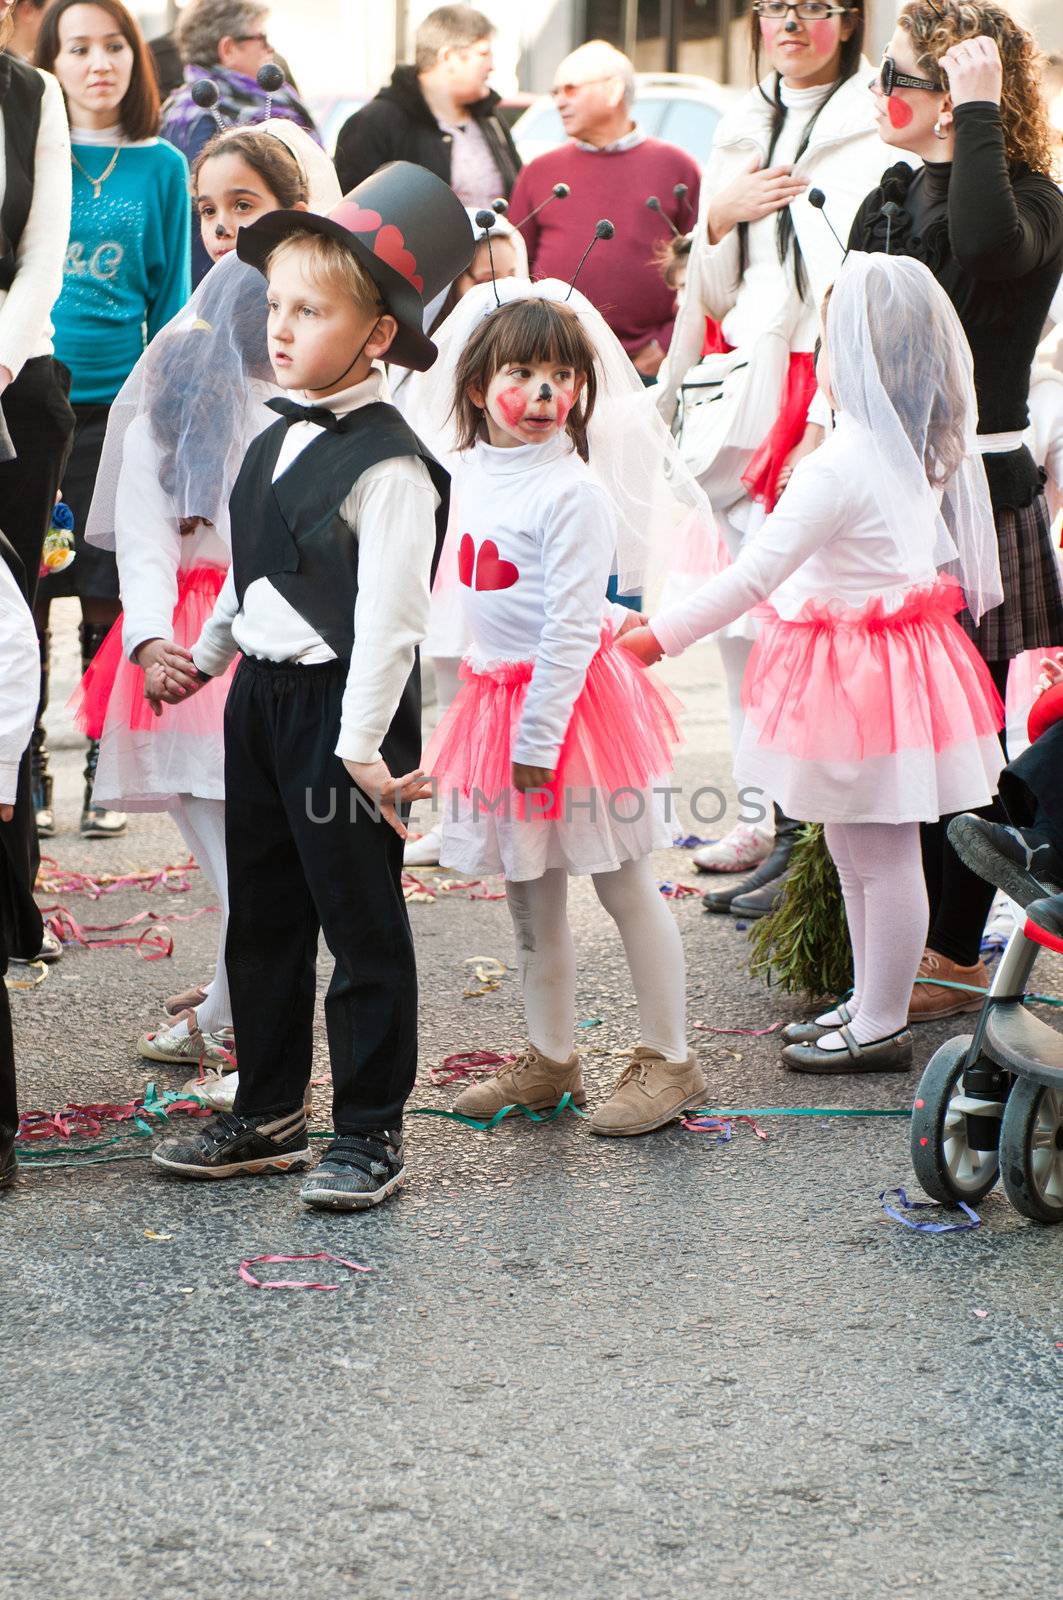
293, 412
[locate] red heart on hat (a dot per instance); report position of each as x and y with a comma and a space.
491, 571
355, 218
466, 560
390, 246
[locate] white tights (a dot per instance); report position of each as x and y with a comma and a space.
546, 957
734, 654
202, 825
881, 872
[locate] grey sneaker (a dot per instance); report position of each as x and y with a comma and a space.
227, 1146
357, 1171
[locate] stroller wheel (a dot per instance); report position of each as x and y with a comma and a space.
1031, 1150
947, 1166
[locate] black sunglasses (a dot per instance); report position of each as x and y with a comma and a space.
888, 79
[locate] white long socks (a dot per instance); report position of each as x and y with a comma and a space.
202, 825
734, 655
881, 872
546, 957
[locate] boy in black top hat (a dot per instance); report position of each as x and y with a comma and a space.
337, 518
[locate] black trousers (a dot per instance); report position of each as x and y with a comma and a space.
21, 928
304, 857
1031, 787
40, 420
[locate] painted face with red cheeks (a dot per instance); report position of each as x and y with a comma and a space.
528, 403
809, 52
907, 116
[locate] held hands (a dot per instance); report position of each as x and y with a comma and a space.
642, 642
526, 778
754, 194
974, 70
170, 675
375, 780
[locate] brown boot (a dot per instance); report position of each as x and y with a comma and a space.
930, 1003
533, 1081
649, 1092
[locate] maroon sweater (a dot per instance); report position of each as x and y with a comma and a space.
620, 276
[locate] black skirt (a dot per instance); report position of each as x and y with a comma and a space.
93, 574
1030, 617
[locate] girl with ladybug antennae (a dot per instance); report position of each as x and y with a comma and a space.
553, 759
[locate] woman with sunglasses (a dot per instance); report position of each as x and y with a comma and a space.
760, 262
960, 87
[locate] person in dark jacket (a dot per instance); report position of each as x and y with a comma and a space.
438, 113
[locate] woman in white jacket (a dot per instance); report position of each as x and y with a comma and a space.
760, 263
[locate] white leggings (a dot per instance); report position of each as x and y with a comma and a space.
881, 872
546, 957
202, 825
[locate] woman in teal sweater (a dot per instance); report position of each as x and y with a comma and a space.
125, 275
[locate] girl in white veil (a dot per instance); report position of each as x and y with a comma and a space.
867, 707
177, 434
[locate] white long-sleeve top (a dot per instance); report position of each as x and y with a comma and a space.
26, 308
150, 548
537, 546
19, 681
391, 513
825, 542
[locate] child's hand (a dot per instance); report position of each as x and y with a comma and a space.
525, 778
810, 440
173, 661
1051, 672
642, 642
6, 813
375, 780
634, 619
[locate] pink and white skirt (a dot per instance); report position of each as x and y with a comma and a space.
869, 715
606, 804
146, 760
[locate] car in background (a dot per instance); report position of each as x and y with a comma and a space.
681, 108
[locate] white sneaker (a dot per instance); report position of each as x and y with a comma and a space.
746, 846
423, 852
1002, 921
208, 1049
220, 1091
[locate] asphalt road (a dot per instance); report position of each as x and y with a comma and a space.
578, 1367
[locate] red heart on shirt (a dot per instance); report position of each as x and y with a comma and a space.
491, 571
466, 560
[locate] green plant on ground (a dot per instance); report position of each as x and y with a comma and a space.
803, 947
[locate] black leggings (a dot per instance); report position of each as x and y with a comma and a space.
959, 898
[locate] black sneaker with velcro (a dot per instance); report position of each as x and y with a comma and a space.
227, 1146
358, 1170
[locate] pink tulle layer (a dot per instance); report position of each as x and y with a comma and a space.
113, 686
621, 734
861, 683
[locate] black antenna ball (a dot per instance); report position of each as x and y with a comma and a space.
561, 191
500, 207
486, 220
680, 191
604, 229
205, 93
653, 203
817, 198
270, 77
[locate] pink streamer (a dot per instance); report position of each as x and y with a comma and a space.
294, 1283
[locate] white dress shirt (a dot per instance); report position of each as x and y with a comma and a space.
391, 513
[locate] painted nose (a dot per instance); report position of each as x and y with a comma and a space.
791, 25
545, 392
219, 230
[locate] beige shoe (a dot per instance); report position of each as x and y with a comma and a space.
930, 1003
533, 1081
650, 1092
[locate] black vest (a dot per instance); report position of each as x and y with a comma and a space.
21, 93
291, 532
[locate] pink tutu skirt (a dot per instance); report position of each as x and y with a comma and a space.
602, 808
869, 715
146, 760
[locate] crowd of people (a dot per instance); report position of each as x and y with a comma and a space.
309, 417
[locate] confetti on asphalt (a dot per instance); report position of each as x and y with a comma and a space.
289, 1283
886, 1195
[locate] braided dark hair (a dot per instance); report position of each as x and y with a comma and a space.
852, 50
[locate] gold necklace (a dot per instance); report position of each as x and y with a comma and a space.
98, 183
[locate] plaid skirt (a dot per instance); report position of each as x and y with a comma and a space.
1030, 617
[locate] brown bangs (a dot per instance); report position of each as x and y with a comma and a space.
525, 332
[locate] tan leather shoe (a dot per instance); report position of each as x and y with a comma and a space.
533, 1081
649, 1092
930, 1003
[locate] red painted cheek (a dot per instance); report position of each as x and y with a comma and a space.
512, 404
768, 31
899, 112
823, 36
565, 401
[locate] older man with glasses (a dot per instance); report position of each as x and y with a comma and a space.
226, 41
611, 168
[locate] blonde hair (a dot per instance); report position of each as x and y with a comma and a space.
329, 263
1023, 112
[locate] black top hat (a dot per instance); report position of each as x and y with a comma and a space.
406, 228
